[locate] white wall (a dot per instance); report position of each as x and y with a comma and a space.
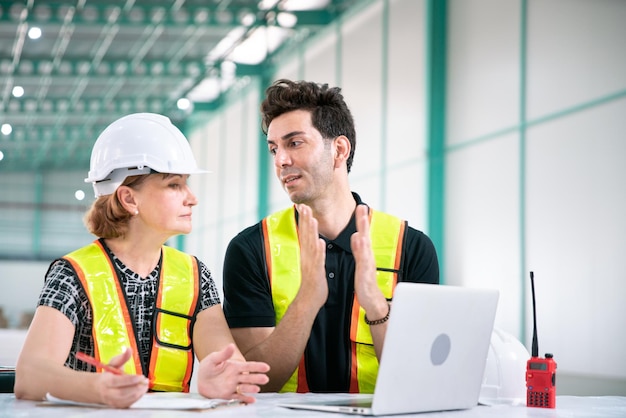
20, 284
545, 193
577, 237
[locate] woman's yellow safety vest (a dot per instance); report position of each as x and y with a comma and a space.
282, 253
171, 358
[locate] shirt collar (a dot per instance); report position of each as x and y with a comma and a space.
343, 239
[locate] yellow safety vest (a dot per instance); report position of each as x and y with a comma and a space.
282, 252
171, 358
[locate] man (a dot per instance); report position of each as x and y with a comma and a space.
308, 289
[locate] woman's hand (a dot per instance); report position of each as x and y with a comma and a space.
121, 390
222, 377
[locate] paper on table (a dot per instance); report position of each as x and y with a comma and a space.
160, 400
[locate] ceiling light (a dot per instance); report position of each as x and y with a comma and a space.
267, 4
34, 32
18, 91
304, 4
206, 91
193, 69
157, 14
45, 67
253, 50
79, 195
247, 19
262, 41
121, 67
286, 20
6, 129
156, 68
226, 43
202, 16
228, 68
84, 67
183, 104
1, 155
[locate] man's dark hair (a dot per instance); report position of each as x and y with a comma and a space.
329, 112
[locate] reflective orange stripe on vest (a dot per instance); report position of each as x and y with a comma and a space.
282, 252
171, 362
387, 237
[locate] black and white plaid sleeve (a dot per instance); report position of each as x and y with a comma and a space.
208, 290
62, 291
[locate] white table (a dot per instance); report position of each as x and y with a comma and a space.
567, 407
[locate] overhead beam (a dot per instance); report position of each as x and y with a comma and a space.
106, 68
141, 15
47, 146
18, 110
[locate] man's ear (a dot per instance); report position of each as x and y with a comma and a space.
126, 196
342, 150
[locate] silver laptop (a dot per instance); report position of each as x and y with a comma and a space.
434, 355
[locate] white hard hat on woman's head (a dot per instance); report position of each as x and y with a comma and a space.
136, 144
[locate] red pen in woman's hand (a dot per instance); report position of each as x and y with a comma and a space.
91, 360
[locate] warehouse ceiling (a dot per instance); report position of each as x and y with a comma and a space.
69, 68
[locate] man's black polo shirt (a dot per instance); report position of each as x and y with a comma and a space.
248, 298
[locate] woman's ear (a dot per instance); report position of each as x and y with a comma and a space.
342, 149
126, 197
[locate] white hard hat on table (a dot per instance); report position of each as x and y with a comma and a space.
504, 379
138, 144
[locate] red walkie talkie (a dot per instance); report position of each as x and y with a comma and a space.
540, 372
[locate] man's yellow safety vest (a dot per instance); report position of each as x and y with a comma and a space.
171, 358
282, 252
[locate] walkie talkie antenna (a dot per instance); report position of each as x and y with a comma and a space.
535, 346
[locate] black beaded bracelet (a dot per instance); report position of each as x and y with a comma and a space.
381, 320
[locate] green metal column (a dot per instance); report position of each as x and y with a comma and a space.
436, 39
524, 276
264, 176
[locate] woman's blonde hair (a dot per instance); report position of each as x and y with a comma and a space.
107, 218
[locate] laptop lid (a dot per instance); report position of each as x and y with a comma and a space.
435, 351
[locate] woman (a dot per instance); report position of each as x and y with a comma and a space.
127, 299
